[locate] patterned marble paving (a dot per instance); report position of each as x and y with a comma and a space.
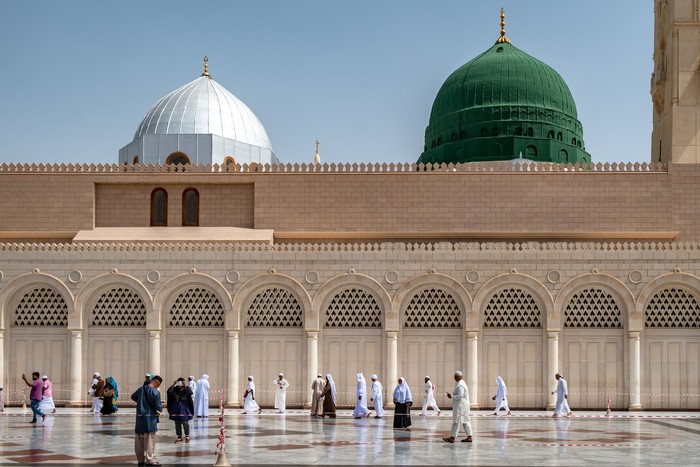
74, 436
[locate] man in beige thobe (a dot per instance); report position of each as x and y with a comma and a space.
317, 399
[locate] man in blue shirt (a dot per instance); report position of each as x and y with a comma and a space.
148, 409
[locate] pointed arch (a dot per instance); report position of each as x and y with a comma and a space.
16, 287
252, 286
327, 291
611, 284
528, 283
167, 295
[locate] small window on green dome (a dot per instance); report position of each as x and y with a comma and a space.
560, 137
550, 135
530, 132
531, 152
500, 49
484, 132
495, 150
519, 131
462, 135
432, 145
494, 131
439, 141
454, 137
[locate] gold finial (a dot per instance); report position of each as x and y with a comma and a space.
317, 157
206, 66
503, 37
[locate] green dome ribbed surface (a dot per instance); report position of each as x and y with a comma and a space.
499, 104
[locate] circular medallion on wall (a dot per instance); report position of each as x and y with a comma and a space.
153, 276
391, 277
635, 277
473, 277
311, 277
35, 271
677, 270
232, 277
352, 271
513, 271
75, 276
114, 271
193, 271
553, 277
594, 271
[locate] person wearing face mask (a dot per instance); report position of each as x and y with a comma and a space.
180, 408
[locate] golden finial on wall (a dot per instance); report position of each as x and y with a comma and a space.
206, 66
317, 157
503, 37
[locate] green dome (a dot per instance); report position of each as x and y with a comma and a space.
500, 104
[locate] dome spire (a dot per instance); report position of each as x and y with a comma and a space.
503, 37
206, 67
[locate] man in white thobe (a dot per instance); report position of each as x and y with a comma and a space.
460, 410
281, 394
377, 396
317, 398
193, 386
201, 403
562, 392
429, 399
501, 396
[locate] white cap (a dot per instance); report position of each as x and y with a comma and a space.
319, 375
191, 377
44, 377
148, 375
458, 373
96, 374
281, 374
427, 377
374, 377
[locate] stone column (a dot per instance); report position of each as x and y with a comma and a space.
232, 397
473, 368
154, 338
552, 366
392, 363
76, 370
2, 357
634, 371
312, 364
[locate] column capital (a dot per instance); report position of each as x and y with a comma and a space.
76, 334
154, 334
312, 334
472, 335
552, 334
392, 335
233, 334
634, 334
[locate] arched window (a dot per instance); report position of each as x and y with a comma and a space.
454, 137
229, 164
578, 143
519, 131
159, 208
530, 132
563, 156
178, 158
573, 141
484, 132
462, 134
494, 131
495, 150
190, 207
440, 141
531, 152
432, 145
136, 160
550, 135
560, 137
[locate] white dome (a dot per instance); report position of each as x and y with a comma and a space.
203, 106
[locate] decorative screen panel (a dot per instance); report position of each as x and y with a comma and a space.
592, 308
432, 308
512, 308
275, 307
42, 306
197, 307
353, 308
672, 308
120, 306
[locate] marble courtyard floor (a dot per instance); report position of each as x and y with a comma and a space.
526, 438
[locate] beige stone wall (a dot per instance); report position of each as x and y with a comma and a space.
455, 205
128, 205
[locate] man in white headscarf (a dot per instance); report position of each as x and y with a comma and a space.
429, 398
501, 396
403, 400
317, 396
281, 393
361, 402
249, 404
193, 386
201, 403
562, 392
377, 396
460, 409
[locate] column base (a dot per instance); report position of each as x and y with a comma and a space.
307, 405
550, 406
635, 408
232, 405
74, 405
474, 406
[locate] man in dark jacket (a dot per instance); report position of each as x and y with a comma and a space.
148, 409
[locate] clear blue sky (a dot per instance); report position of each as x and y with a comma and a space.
361, 75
